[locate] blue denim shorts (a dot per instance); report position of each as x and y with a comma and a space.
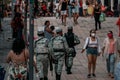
75, 10
93, 51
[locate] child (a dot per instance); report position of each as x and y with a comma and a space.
52, 28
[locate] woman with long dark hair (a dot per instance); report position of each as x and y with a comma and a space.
18, 57
17, 25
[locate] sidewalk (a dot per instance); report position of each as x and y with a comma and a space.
79, 69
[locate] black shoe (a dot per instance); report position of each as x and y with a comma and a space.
41, 78
69, 72
1, 29
58, 77
93, 75
45, 78
89, 75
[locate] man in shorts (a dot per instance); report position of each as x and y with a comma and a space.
63, 5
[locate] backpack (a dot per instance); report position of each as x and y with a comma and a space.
58, 44
70, 39
41, 46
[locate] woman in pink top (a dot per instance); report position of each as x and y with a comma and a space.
18, 58
110, 49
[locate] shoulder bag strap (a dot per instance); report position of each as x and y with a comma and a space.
25, 58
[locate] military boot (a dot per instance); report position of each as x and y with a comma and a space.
41, 79
69, 70
45, 78
58, 77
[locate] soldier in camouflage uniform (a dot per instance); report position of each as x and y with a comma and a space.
58, 48
72, 41
42, 55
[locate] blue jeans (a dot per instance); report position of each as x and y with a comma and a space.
80, 11
110, 63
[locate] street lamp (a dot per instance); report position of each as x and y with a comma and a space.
25, 20
1, 13
31, 31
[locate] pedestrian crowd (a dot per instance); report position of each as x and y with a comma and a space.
66, 8
53, 49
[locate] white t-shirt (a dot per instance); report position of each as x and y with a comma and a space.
84, 6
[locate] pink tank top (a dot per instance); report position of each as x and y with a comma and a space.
111, 47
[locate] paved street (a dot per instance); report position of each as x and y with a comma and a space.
79, 69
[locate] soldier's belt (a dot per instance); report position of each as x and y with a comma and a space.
59, 50
42, 53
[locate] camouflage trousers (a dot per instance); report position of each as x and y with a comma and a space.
59, 65
69, 61
42, 65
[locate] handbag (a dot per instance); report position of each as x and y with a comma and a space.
102, 17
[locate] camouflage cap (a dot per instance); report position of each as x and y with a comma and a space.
40, 31
59, 30
70, 27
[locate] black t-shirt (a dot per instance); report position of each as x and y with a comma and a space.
64, 5
95, 11
70, 39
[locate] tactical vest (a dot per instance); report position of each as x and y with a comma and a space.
58, 44
41, 46
70, 39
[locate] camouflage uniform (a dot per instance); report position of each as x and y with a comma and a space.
42, 59
58, 56
72, 40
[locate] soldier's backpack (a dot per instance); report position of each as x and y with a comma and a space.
41, 46
58, 44
70, 39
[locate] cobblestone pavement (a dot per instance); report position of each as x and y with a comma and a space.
79, 69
